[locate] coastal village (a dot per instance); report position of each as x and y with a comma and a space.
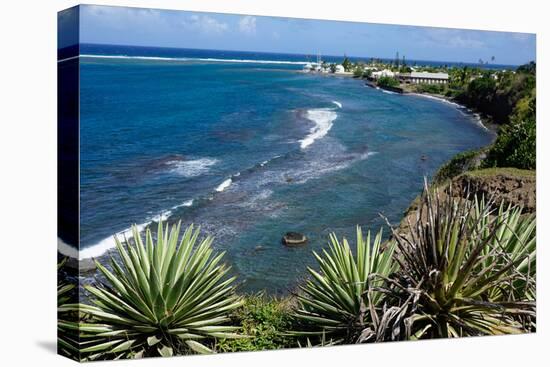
400, 77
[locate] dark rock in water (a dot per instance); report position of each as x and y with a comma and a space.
258, 248
424, 157
294, 239
289, 179
83, 266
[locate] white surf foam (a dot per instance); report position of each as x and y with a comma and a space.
192, 168
187, 203
460, 107
208, 59
67, 250
388, 91
224, 185
99, 248
323, 119
337, 104
162, 216
479, 121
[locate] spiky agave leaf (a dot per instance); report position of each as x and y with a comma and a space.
514, 242
332, 304
67, 338
63, 289
163, 298
458, 259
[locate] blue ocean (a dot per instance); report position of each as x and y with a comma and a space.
248, 147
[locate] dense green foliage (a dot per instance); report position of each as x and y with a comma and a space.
516, 142
388, 81
460, 163
509, 99
264, 321
431, 88
497, 94
167, 298
358, 71
515, 146
347, 64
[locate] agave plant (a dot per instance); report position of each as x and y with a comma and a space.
63, 289
515, 241
463, 269
163, 299
67, 339
333, 303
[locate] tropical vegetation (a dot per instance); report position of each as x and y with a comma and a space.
264, 320
387, 81
333, 304
465, 269
460, 266
158, 299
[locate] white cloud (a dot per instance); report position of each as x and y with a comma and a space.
454, 38
123, 18
521, 36
247, 25
205, 24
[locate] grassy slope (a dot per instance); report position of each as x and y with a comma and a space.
508, 171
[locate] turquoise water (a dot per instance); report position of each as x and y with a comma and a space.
249, 151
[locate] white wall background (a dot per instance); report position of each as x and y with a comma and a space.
28, 180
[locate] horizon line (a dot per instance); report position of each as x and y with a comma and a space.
295, 54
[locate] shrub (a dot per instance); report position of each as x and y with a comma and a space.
333, 304
264, 322
431, 88
515, 146
460, 163
387, 81
358, 72
163, 299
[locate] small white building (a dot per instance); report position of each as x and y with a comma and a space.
381, 73
423, 77
340, 69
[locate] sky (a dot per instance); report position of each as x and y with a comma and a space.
182, 29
